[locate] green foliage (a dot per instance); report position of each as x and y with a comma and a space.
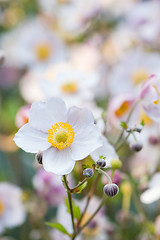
80, 188
59, 227
123, 125
76, 209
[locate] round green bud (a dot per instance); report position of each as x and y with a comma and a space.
116, 163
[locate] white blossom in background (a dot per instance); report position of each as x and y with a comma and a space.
143, 18
96, 229
12, 212
32, 43
132, 71
152, 194
107, 151
70, 84
63, 136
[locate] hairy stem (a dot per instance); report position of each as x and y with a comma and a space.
70, 202
128, 118
73, 190
89, 198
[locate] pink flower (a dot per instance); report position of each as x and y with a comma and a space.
22, 116
49, 187
150, 96
119, 107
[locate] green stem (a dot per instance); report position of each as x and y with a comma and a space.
136, 200
121, 145
89, 198
103, 172
90, 219
81, 183
70, 202
128, 118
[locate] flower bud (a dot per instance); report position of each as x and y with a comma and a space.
39, 157
116, 163
138, 128
137, 147
111, 189
101, 163
153, 140
88, 172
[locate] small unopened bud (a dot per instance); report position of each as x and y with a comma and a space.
128, 130
153, 140
2, 57
138, 128
88, 172
101, 163
39, 157
137, 147
111, 189
116, 164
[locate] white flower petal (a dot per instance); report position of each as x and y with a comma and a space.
57, 161
43, 115
107, 151
79, 118
83, 145
151, 195
31, 140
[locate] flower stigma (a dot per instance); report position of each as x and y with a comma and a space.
61, 135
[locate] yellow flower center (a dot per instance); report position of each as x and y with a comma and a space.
1, 207
123, 109
61, 135
70, 87
139, 76
43, 51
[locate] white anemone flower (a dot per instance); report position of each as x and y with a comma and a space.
152, 194
107, 151
12, 211
63, 136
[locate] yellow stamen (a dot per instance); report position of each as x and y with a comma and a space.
156, 102
123, 109
43, 52
158, 93
70, 87
1, 207
139, 76
61, 135
145, 118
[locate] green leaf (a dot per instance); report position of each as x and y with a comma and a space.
76, 209
59, 227
123, 125
142, 123
84, 166
80, 188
